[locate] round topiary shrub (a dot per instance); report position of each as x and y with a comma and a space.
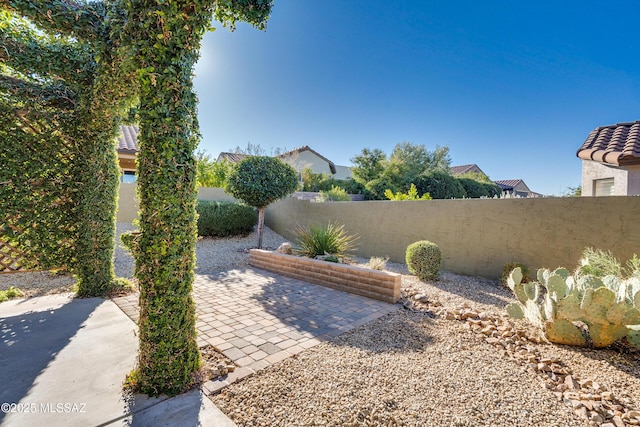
424, 259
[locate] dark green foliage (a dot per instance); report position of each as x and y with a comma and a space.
479, 185
351, 186
440, 185
377, 187
260, 180
424, 259
317, 182
406, 163
473, 188
493, 189
329, 239
63, 92
223, 219
368, 165
509, 267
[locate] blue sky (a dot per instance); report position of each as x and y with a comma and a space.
514, 87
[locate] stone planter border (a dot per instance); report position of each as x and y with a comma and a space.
380, 285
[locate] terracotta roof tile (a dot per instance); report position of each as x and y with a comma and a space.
617, 144
128, 141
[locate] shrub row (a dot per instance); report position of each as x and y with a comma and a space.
223, 219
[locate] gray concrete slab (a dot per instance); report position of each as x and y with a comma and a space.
186, 410
63, 362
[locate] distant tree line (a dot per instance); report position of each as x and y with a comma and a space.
374, 174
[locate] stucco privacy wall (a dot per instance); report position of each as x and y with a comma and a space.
478, 236
128, 203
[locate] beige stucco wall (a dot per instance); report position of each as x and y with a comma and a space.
478, 236
128, 203
626, 181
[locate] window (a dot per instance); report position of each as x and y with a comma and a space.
128, 177
603, 187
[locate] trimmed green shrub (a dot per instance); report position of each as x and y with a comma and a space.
493, 189
473, 188
318, 240
509, 267
440, 185
223, 219
424, 259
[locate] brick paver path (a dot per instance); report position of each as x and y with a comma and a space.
256, 317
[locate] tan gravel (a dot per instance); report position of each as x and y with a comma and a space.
416, 368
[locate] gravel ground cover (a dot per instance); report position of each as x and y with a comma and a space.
435, 363
449, 357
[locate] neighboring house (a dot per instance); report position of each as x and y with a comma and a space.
516, 188
299, 159
230, 157
510, 187
461, 170
127, 150
611, 161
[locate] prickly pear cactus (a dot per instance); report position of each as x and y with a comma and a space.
605, 306
634, 336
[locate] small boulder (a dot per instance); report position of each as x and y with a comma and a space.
285, 248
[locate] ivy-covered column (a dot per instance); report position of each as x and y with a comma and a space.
98, 173
168, 38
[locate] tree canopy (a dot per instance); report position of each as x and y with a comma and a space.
411, 165
260, 180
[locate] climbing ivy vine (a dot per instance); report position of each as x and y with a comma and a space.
68, 76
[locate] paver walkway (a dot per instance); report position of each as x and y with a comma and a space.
257, 318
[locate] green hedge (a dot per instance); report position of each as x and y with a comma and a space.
223, 219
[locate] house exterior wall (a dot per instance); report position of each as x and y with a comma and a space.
626, 181
306, 159
127, 162
342, 172
633, 180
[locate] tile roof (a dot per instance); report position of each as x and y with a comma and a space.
231, 157
617, 144
128, 141
236, 157
462, 169
509, 184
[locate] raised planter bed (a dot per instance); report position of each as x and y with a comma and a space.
380, 285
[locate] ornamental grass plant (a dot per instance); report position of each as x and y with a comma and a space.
329, 239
